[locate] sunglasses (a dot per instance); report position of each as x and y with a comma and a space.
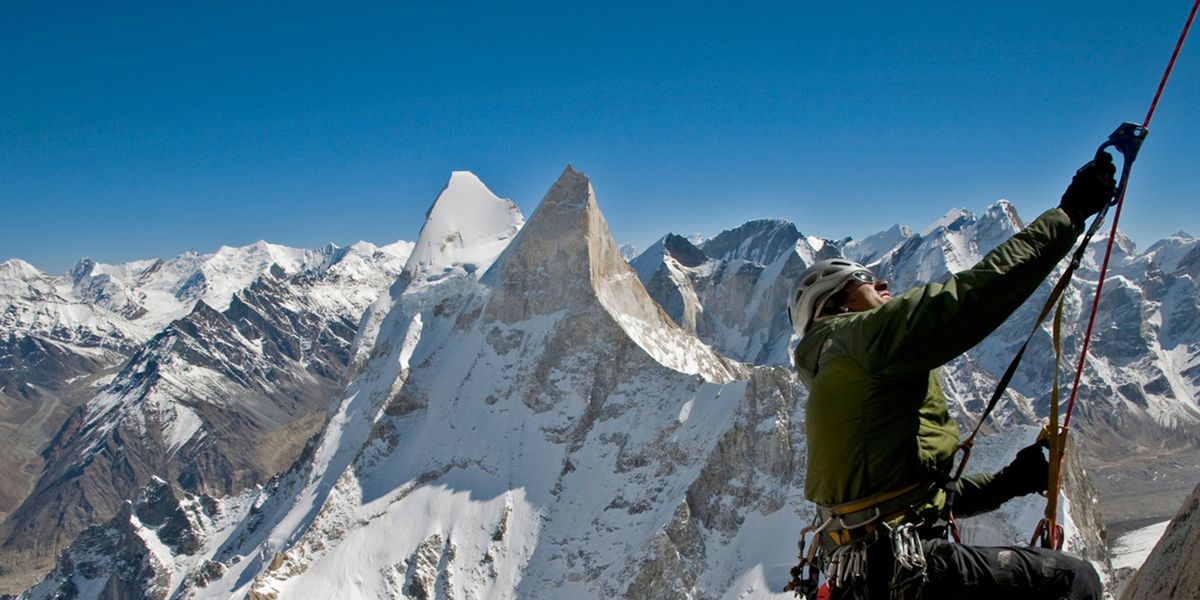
865, 277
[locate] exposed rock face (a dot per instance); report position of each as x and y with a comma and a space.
566, 260
1170, 570
132, 555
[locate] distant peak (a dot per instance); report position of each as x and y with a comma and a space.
760, 240
953, 220
15, 267
82, 269
1003, 210
683, 251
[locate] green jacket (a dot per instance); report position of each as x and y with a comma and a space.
876, 418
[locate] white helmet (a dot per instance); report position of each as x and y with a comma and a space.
817, 284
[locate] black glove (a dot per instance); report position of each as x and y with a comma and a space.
1091, 188
1029, 472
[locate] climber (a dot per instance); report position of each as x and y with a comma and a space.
880, 437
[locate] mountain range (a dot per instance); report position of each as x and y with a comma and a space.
510, 409
211, 370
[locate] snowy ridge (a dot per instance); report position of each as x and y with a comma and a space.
1176, 253
868, 250
34, 303
132, 301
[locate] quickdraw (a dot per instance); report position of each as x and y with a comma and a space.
806, 575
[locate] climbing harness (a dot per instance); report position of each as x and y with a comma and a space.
845, 563
1126, 140
837, 541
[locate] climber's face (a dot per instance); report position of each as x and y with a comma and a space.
865, 296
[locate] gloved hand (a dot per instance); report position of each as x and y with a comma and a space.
1090, 189
1029, 472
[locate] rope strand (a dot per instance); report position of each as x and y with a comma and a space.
1087, 338
1170, 65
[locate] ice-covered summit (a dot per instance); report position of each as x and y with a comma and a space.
19, 279
17, 268
465, 229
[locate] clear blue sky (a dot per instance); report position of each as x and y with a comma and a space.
146, 129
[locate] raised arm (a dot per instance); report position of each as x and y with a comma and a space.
932, 324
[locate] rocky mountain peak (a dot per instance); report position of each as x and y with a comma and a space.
82, 269
551, 263
683, 251
759, 241
1004, 210
565, 259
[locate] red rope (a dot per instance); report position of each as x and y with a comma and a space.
1167, 74
1087, 338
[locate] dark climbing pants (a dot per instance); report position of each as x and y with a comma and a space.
984, 573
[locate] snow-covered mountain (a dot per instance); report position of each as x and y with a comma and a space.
728, 290
166, 384
536, 428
